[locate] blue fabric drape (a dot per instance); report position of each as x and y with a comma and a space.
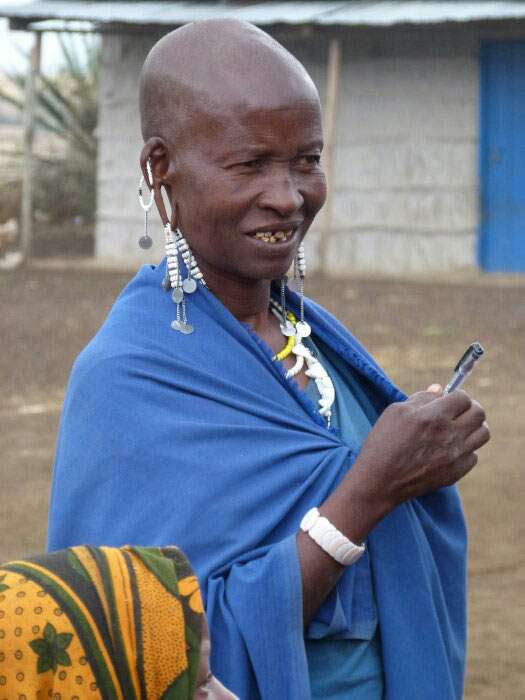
350, 415
348, 667
200, 441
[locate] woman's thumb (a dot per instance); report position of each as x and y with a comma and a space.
435, 388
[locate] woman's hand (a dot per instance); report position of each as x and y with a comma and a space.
420, 445
427, 442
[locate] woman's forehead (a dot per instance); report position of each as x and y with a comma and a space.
256, 126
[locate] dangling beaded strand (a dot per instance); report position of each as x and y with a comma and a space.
315, 369
173, 271
175, 244
192, 267
172, 261
299, 275
287, 328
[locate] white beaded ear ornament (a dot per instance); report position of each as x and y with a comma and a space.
145, 240
302, 329
175, 244
286, 326
299, 269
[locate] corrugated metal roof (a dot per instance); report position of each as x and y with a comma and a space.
63, 25
173, 13
360, 13
389, 13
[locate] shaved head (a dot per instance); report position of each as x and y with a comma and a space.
204, 67
233, 138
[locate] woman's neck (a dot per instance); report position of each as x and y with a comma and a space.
247, 300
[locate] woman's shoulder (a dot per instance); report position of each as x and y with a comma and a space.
133, 333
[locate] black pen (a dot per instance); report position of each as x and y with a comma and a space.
464, 367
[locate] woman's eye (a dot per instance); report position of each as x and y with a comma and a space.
253, 164
309, 159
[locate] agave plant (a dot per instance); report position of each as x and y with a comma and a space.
66, 108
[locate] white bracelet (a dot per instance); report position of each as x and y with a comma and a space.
328, 537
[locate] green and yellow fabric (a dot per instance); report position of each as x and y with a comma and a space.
100, 623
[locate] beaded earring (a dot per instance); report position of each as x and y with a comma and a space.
286, 326
175, 244
302, 329
194, 274
299, 271
145, 240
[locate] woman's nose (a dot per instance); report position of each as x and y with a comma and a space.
281, 193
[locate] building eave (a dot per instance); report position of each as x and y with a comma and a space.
136, 15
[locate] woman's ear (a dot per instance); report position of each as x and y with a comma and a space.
155, 154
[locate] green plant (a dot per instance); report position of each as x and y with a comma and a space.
65, 122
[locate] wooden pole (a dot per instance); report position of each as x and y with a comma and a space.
330, 113
29, 132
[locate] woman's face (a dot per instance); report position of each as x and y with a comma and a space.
246, 171
209, 687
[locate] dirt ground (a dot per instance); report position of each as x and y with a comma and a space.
416, 329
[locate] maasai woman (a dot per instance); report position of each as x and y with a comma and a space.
239, 419
104, 624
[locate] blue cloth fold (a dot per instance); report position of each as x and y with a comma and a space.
342, 642
349, 612
200, 441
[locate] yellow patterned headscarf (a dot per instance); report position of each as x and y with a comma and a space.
100, 623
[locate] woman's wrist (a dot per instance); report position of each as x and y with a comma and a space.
354, 509
356, 506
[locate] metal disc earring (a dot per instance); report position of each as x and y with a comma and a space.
194, 274
145, 241
180, 323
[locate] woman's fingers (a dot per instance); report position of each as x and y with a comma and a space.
454, 404
478, 438
424, 443
472, 418
469, 459
420, 398
423, 398
456, 470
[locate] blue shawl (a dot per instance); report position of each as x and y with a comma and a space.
200, 441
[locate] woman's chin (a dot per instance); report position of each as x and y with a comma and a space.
273, 271
272, 262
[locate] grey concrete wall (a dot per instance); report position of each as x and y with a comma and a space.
405, 187
120, 220
406, 159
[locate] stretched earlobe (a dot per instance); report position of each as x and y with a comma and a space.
154, 163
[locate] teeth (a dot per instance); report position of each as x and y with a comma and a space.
273, 236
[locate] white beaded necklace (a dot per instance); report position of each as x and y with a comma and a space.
315, 370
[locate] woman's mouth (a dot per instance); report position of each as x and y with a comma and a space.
273, 236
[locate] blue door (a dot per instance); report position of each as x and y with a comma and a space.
502, 157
